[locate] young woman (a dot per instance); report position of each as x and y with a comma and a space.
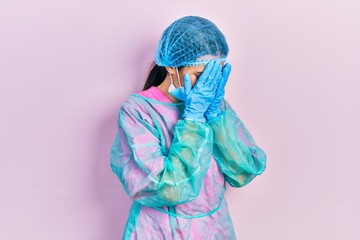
179, 141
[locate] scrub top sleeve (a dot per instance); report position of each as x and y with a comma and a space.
154, 177
235, 151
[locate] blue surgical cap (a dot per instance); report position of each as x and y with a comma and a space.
190, 41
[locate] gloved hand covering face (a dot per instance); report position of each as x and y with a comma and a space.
214, 108
198, 98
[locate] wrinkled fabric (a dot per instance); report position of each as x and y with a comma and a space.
175, 170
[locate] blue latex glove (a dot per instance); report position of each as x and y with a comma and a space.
198, 98
214, 108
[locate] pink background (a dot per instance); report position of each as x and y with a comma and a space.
66, 66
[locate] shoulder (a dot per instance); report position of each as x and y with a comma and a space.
134, 104
135, 110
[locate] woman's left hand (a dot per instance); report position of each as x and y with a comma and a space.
214, 108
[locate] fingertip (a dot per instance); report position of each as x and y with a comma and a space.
227, 65
212, 62
227, 68
218, 66
208, 66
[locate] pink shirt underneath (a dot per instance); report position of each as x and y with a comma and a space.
156, 94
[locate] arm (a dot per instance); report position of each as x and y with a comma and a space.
149, 173
235, 150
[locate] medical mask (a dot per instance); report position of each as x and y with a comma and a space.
179, 92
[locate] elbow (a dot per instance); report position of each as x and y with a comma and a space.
259, 160
244, 177
260, 168
240, 180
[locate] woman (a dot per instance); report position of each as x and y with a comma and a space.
178, 142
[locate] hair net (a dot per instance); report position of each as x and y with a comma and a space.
190, 41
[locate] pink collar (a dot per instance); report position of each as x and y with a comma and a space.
156, 94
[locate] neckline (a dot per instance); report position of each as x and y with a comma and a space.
156, 101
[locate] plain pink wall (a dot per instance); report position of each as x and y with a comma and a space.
66, 66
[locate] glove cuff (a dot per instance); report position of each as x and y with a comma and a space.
195, 117
212, 115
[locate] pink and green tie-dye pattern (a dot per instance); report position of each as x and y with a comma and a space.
175, 170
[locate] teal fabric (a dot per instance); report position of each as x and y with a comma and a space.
175, 170
235, 149
179, 174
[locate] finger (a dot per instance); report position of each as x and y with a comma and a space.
205, 74
226, 71
187, 83
213, 79
215, 71
217, 76
221, 88
224, 78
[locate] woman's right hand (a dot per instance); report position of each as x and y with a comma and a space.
198, 98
